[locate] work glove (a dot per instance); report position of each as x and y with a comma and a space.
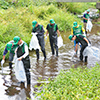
89, 44
2, 62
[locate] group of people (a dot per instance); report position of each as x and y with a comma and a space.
79, 35
18, 46
52, 29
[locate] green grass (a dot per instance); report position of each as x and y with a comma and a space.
75, 84
74, 7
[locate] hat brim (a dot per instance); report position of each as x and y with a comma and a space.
52, 22
9, 49
74, 25
71, 39
15, 43
33, 26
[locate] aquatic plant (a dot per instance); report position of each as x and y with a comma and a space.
75, 84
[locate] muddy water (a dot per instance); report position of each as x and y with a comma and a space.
10, 89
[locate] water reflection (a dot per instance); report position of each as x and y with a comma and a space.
15, 90
45, 69
52, 67
11, 89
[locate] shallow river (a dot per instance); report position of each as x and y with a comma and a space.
10, 89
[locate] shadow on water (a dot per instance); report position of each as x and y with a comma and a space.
10, 89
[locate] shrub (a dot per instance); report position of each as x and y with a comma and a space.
77, 8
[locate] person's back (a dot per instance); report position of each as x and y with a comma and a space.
80, 38
21, 50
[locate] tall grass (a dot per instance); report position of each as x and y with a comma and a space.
77, 8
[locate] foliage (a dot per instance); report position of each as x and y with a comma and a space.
72, 7
76, 84
76, 8
5, 4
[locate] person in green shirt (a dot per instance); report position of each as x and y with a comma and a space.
84, 43
85, 19
9, 47
23, 55
77, 29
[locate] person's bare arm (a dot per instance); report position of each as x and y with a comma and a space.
85, 18
86, 40
58, 32
47, 33
76, 47
3, 57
